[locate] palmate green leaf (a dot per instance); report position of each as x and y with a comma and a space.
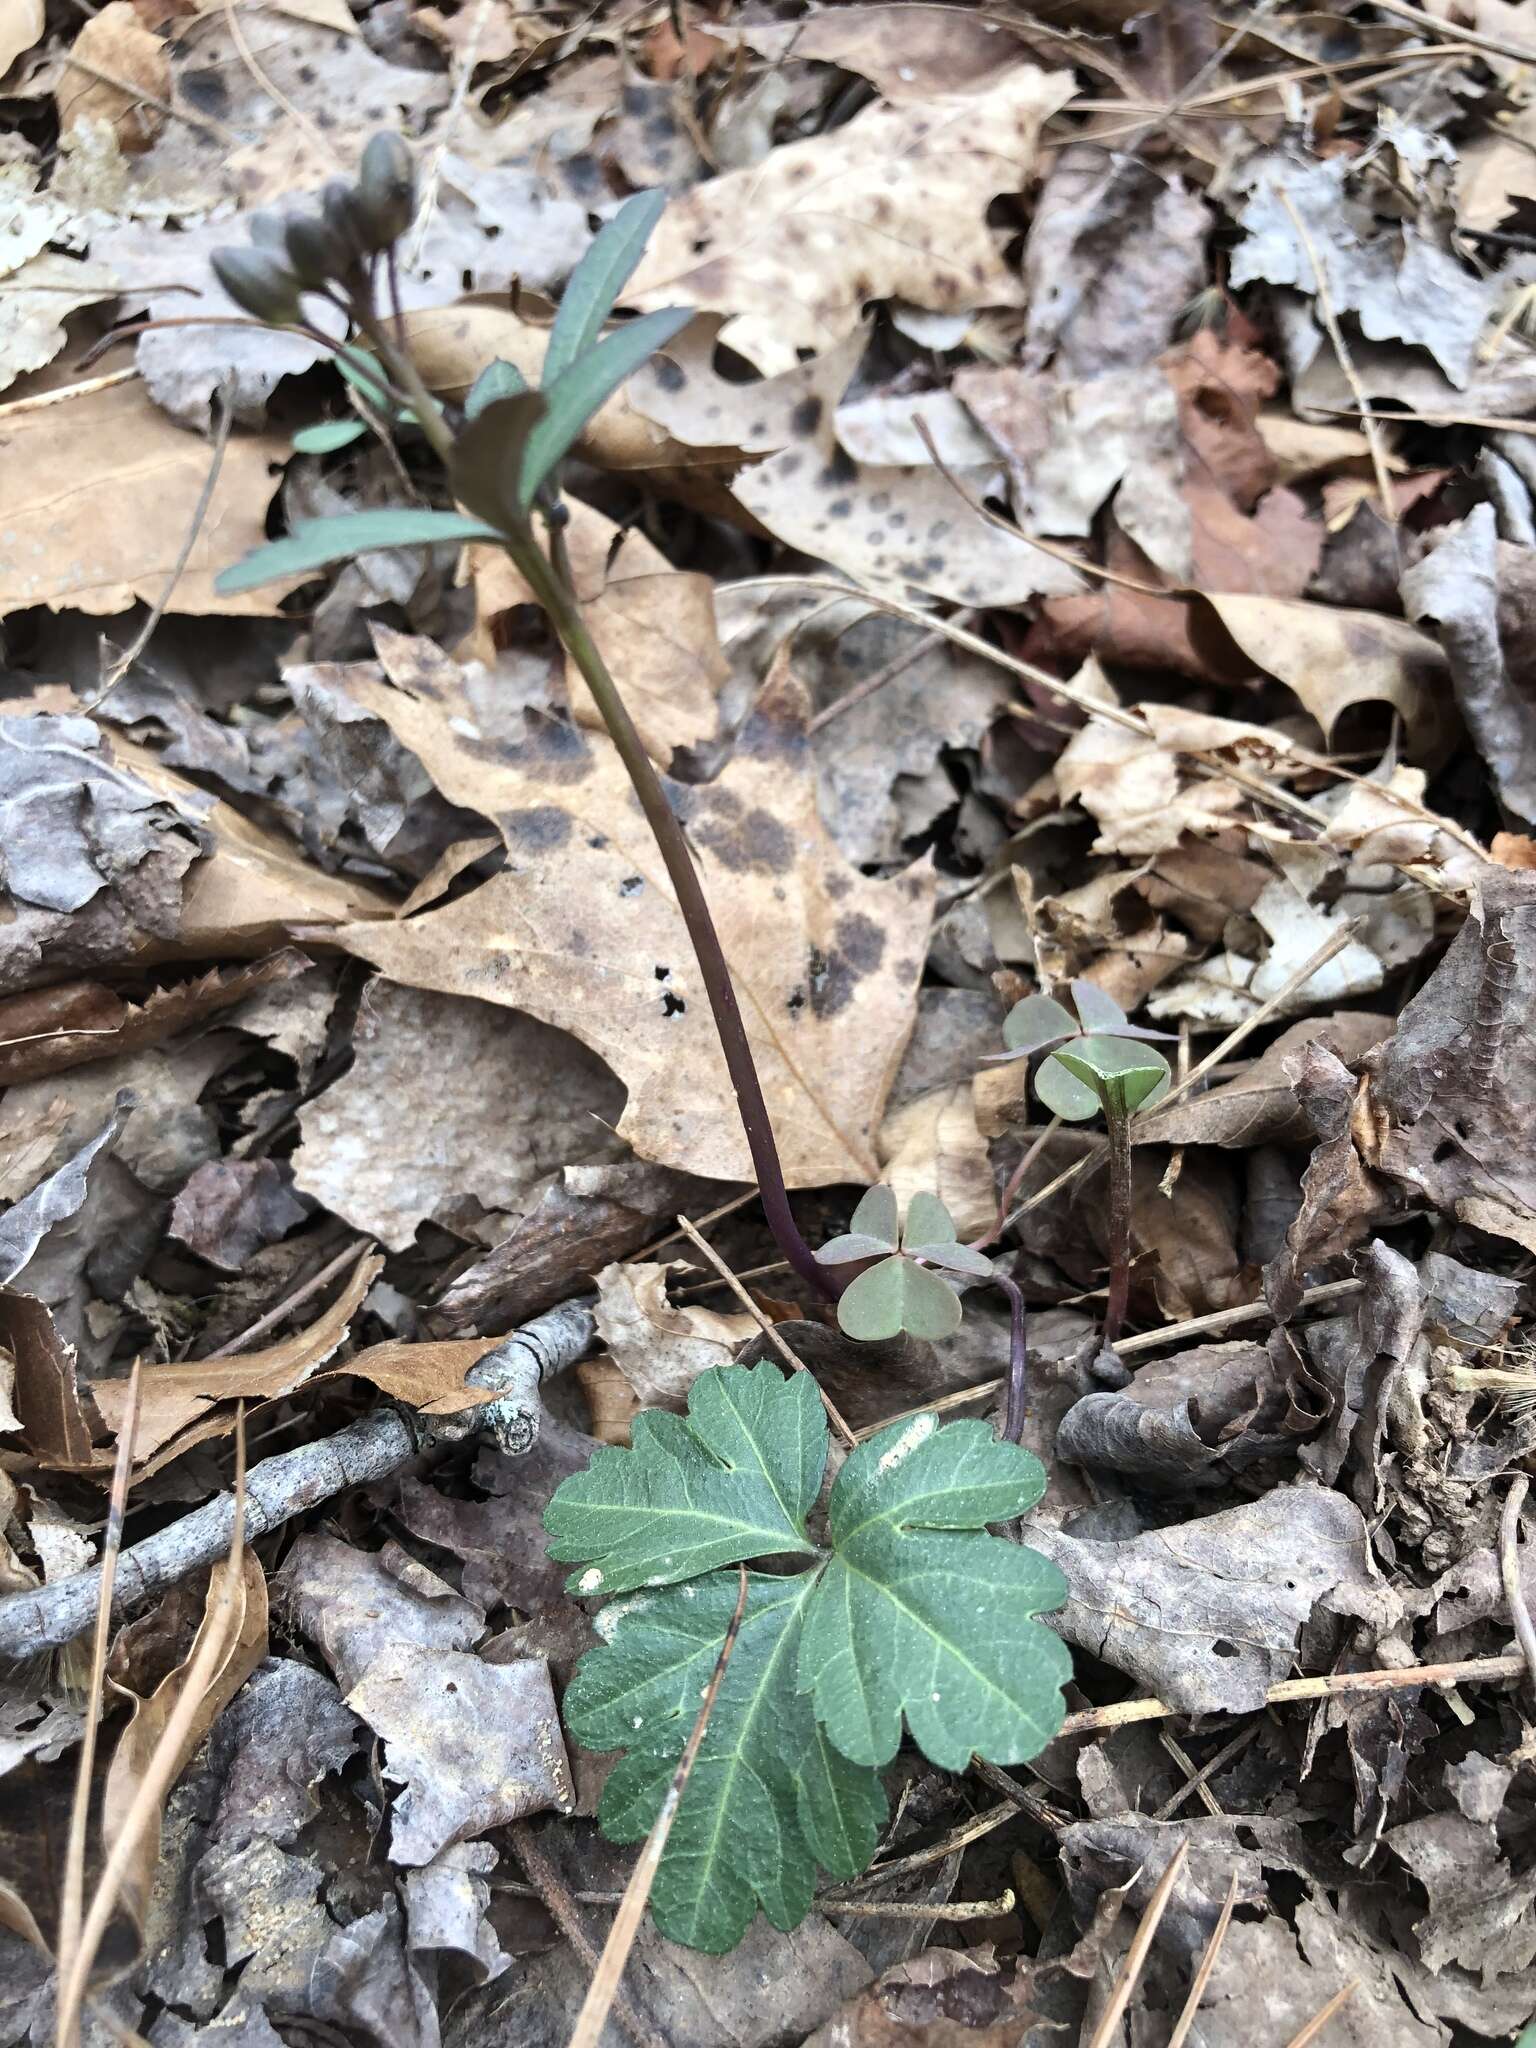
920, 1614
316, 543
768, 1798
732, 1482
915, 1599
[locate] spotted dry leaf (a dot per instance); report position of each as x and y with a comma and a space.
892, 205
581, 930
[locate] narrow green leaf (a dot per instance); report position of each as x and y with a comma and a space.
1063, 1094
928, 1222
362, 371
1121, 1072
497, 380
1036, 1022
895, 1296
327, 436
731, 1482
488, 456
768, 1798
598, 279
878, 1215
575, 395
920, 1615
316, 543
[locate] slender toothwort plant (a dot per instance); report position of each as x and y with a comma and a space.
502, 463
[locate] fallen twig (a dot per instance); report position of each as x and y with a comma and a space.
281, 1487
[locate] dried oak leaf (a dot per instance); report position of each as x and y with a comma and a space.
891, 205
580, 929
1207, 1615
230, 1208
475, 1745
1479, 594
1455, 1085
1261, 1107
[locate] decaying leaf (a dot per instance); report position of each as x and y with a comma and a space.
660, 1346
890, 206
826, 961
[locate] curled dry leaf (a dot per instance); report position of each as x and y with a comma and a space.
658, 1345
826, 962
115, 41
891, 205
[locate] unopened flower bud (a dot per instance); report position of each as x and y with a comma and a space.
260, 284
267, 230
386, 188
317, 253
339, 210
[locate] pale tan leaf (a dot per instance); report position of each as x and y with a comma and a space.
891, 205
661, 1346
581, 930
115, 42
931, 1145
21, 24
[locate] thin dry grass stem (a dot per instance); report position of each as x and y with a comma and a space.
702, 1222
593, 2017
1202, 1977
1479, 1670
223, 413
1301, 757
290, 1302
86, 388
882, 676
138, 94
1498, 46
703, 1245
465, 67
72, 1895
1319, 2020
1201, 1778
1509, 1571
1341, 349
1196, 1780
1136, 1955
917, 1909
313, 134
161, 1769
948, 1845
1014, 1183
550, 1888
1027, 1802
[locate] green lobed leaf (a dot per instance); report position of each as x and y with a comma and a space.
1097, 1011
841, 1251
894, 1296
1123, 1074
316, 543
598, 279
955, 1258
768, 1799
733, 1481
915, 1600
326, 436
920, 1614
